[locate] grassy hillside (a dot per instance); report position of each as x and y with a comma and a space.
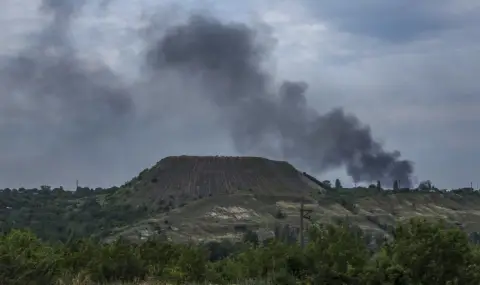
205, 198
377, 211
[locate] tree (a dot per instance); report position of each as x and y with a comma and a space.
426, 253
379, 185
395, 185
280, 214
25, 258
327, 183
338, 184
285, 233
425, 185
336, 254
251, 237
45, 188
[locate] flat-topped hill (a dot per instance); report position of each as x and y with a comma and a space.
177, 179
214, 197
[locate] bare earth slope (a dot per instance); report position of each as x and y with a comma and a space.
204, 198
176, 180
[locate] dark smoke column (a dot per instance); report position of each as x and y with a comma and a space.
228, 57
335, 139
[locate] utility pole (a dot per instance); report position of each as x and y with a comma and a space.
304, 214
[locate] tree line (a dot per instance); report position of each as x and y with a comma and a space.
426, 185
56, 214
418, 252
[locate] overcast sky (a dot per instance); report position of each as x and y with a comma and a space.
409, 69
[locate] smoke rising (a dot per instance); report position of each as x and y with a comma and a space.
82, 100
58, 107
86, 109
228, 57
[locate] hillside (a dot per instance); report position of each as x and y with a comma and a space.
223, 197
211, 198
375, 211
176, 180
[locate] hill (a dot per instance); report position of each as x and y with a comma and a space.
211, 198
176, 180
374, 211
199, 198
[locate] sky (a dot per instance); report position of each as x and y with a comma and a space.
408, 70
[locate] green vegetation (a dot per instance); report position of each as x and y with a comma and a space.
237, 219
59, 215
421, 253
55, 214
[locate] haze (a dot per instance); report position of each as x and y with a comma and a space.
98, 90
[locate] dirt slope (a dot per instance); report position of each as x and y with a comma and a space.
177, 180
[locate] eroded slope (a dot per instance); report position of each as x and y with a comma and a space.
174, 181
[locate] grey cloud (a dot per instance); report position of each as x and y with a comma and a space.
50, 75
203, 78
66, 118
417, 88
394, 21
58, 104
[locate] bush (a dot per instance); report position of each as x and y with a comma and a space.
421, 253
280, 214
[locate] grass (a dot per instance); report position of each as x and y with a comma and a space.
369, 208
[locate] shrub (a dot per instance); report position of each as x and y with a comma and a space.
421, 253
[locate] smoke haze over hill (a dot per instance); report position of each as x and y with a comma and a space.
65, 112
228, 60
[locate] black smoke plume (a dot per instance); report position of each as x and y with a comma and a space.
84, 108
88, 98
229, 57
57, 106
